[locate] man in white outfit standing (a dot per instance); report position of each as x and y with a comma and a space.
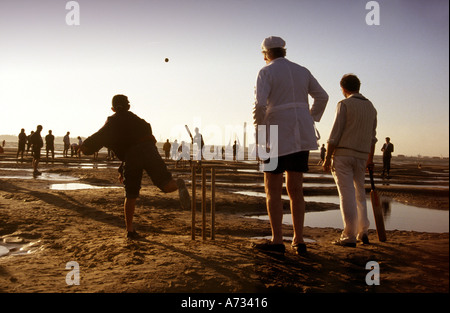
351, 146
281, 100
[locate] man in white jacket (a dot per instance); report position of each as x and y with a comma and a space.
282, 90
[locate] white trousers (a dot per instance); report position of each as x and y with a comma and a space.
349, 175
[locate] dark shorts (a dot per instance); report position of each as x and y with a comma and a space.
36, 154
295, 162
143, 156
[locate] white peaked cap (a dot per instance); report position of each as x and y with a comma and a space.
273, 42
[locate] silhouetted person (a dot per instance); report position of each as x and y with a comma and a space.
235, 150
184, 153
37, 144
387, 149
29, 144
198, 140
174, 148
323, 150
166, 149
131, 138
22, 142
66, 141
50, 144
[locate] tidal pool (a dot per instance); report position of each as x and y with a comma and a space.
78, 186
396, 215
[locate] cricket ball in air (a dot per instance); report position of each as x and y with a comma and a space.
166, 60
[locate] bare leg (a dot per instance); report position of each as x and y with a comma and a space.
273, 185
35, 163
129, 206
294, 186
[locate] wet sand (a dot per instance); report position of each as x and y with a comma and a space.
86, 226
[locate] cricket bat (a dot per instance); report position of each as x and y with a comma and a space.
189, 132
377, 210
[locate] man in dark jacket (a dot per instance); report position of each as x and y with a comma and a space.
387, 149
132, 141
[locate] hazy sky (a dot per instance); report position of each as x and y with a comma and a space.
64, 77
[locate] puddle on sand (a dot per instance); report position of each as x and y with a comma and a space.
13, 245
95, 165
78, 186
325, 199
396, 216
28, 174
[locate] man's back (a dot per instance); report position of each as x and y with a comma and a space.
358, 119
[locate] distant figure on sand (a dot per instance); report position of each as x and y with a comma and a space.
37, 144
235, 150
50, 144
184, 154
282, 91
29, 144
387, 149
174, 148
132, 141
323, 151
351, 146
22, 142
78, 151
198, 140
66, 141
166, 149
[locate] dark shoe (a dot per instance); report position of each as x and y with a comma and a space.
183, 193
364, 239
133, 235
299, 248
270, 247
344, 243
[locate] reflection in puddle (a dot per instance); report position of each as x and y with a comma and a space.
261, 184
18, 246
396, 215
77, 186
324, 199
92, 165
436, 173
28, 174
